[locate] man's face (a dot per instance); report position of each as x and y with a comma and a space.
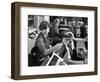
57, 24
74, 23
70, 23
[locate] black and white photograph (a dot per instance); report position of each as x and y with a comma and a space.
57, 40
50, 40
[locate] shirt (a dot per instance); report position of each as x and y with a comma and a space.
42, 43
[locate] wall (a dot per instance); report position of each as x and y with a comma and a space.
5, 40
